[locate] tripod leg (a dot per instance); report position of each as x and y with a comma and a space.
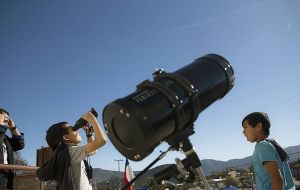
194, 160
202, 177
142, 172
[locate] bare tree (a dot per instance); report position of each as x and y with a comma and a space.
19, 160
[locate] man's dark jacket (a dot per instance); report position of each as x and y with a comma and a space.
12, 144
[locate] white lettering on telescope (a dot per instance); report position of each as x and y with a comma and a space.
144, 95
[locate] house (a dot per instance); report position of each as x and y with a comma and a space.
295, 169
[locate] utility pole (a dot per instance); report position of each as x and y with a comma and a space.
95, 184
120, 160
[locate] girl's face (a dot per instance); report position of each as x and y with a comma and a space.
73, 136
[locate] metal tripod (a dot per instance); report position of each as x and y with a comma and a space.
193, 159
191, 156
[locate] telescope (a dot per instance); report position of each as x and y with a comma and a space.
166, 108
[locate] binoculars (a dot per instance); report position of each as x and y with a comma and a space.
82, 122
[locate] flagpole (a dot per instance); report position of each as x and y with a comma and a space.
149, 166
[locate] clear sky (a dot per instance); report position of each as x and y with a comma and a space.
60, 58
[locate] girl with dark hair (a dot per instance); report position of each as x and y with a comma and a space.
67, 164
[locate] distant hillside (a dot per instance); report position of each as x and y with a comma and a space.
104, 175
208, 166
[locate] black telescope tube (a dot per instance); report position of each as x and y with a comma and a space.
165, 107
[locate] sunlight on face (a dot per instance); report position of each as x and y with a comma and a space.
4, 119
73, 136
249, 132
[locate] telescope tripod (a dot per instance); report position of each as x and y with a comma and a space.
192, 159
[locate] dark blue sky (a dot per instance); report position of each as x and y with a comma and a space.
60, 58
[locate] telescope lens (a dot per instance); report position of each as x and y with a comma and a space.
165, 107
123, 133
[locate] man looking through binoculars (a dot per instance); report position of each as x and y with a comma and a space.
8, 146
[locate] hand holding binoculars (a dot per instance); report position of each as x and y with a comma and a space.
82, 122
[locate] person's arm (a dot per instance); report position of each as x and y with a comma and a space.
99, 138
275, 174
13, 128
17, 140
90, 138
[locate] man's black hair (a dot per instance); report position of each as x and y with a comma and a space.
3, 111
55, 134
259, 117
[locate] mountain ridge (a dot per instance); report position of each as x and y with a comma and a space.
208, 166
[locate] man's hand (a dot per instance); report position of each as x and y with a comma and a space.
89, 117
12, 127
99, 138
11, 123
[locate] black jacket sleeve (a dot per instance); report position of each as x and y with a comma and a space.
17, 142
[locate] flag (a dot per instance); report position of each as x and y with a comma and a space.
128, 174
